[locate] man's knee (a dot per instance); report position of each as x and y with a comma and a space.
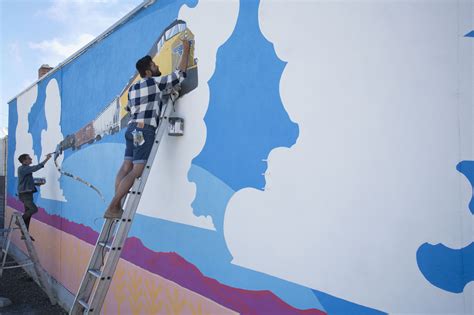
127, 166
32, 208
138, 170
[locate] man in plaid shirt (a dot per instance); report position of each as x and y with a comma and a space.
145, 99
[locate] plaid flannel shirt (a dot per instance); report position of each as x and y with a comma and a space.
146, 97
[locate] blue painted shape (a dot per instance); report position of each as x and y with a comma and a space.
99, 75
446, 268
212, 195
470, 34
335, 306
37, 119
467, 169
84, 205
245, 118
12, 181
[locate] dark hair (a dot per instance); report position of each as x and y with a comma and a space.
143, 64
23, 157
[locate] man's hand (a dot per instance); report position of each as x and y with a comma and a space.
48, 156
183, 64
186, 43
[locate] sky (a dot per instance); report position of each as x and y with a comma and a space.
36, 32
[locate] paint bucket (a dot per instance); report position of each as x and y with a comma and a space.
39, 181
176, 126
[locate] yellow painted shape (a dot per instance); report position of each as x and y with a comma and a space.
167, 62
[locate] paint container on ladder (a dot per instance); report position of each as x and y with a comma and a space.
176, 126
39, 181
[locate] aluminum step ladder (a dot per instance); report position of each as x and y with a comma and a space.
99, 273
39, 275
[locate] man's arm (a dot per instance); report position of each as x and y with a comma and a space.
48, 156
183, 65
31, 169
176, 77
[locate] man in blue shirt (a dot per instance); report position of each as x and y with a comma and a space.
26, 186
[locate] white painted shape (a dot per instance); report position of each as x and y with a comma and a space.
24, 140
372, 177
49, 140
168, 194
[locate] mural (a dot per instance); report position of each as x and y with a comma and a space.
165, 52
317, 173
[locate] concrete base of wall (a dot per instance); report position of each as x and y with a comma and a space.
63, 297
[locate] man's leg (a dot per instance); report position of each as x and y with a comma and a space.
126, 168
114, 210
30, 208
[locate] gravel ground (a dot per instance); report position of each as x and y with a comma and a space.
26, 296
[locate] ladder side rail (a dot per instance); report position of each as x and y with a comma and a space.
126, 222
40, 272
6, 246
30, 254
95, 262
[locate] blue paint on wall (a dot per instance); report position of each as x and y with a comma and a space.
213, 195
245, 118
470, 34
446, 268
334, 306
467, 169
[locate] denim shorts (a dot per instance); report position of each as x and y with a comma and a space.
139, 152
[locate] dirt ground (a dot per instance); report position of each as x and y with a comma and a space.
26, 296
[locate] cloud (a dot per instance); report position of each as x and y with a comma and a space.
60, 50
14, 51
80, 19
89, 16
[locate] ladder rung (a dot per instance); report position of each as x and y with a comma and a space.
106, 245
7, 230
109, 246
95, 272
29, 263
84, 304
